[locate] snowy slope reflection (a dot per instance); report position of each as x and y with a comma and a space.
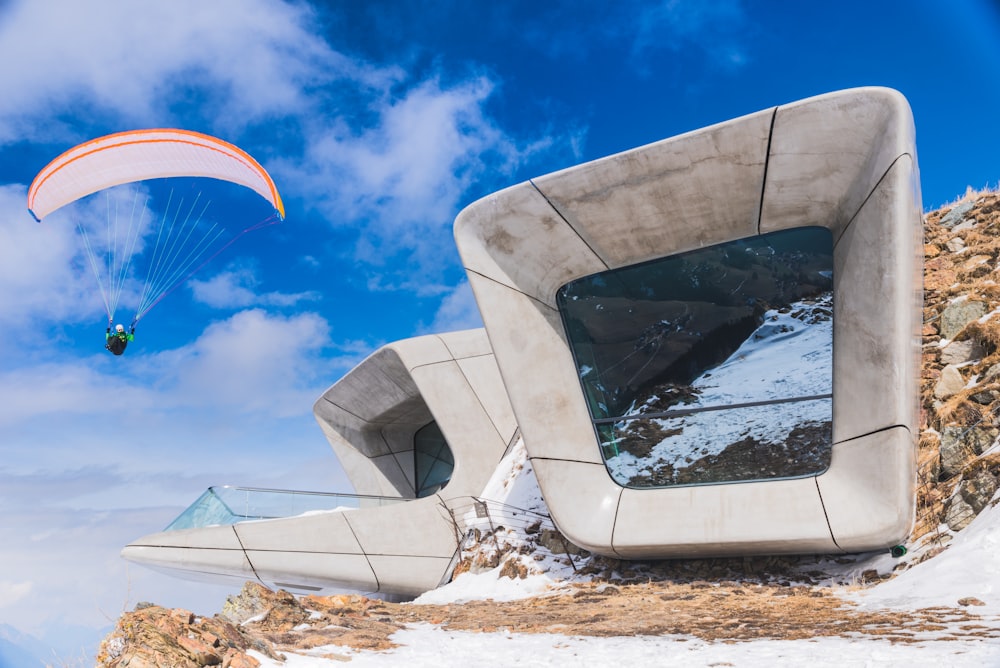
710, 366
789, 356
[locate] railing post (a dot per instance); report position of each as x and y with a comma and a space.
483, 510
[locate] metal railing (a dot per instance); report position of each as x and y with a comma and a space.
225, 505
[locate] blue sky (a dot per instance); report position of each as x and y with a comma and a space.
379, 121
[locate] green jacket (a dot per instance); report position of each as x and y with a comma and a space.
117, 342
130, 336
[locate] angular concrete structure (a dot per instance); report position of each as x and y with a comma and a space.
418, 425
724, 201
710, 346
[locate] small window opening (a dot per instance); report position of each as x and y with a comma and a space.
433, 460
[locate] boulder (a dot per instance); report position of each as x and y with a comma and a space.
960, 352
959, 314
956, 215
255, 602
950, 382
991, 373
978, 489
985, 398
958, 514
956, 245
959, 445
966, 224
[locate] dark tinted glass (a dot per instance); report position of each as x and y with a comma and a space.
713, 365
433, 461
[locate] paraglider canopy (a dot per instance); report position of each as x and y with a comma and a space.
126, 157
159, 242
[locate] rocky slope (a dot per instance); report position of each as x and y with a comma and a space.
717, 599
960, 384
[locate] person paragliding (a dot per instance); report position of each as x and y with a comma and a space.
116, 342
148, 246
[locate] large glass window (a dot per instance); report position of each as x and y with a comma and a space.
433, 461
710, 366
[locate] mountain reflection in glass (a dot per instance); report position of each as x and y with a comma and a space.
710, 366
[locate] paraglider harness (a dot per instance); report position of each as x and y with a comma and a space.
116, 342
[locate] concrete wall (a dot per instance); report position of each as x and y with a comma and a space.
845, 161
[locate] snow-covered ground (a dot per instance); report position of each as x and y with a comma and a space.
429, 646
969, 567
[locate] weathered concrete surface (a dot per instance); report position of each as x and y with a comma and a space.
844, 161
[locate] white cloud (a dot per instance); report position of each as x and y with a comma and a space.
63, 388
63, 529
42, 271
75, 569
256, 58
405, 175
310, 261
234, 289
12, 592
250, 363
267, 365
397, 169
394, 163
458, 310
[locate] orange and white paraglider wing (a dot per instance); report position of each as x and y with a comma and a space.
127, 157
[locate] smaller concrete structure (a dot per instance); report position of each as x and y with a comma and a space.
381, 418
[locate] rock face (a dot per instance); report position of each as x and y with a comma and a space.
155, 637
257, 602
256, 619
960, 388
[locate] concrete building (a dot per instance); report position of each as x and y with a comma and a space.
635, 304
419, 426
709, 345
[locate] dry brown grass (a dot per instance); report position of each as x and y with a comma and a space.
720, 611
971, 195
986, 334
959, 409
